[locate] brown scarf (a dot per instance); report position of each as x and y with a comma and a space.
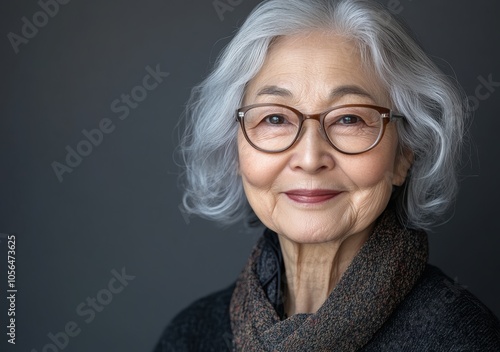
379, 277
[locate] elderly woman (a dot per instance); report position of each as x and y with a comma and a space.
326, 123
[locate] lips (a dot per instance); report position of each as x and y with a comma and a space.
311, 196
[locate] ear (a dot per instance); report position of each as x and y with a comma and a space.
402, 164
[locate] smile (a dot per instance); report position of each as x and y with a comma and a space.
311, 196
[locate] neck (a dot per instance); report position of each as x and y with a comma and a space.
314, 269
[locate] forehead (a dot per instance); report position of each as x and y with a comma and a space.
313, 64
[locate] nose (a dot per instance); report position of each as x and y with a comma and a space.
312, 153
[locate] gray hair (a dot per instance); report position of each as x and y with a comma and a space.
433, 105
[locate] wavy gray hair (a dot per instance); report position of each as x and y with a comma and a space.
434, 107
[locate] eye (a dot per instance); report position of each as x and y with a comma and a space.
349, 120
275, 119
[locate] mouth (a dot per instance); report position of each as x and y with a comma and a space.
311, 196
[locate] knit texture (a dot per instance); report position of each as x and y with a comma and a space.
433, 314
379, 277
438, 315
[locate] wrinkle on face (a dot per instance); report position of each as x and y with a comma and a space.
312, 73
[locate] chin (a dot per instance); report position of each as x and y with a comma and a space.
300, 230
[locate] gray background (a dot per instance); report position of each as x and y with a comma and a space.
119, 207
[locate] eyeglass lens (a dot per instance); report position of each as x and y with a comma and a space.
351, 129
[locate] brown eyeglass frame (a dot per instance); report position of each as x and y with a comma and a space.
385, 113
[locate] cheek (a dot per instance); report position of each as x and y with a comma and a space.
259, 172
255, 169
373, 189
373, 175
376, 167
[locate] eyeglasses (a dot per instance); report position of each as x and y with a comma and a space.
350, 129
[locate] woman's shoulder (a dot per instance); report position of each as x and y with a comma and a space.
439, 314
439, 295
202, 326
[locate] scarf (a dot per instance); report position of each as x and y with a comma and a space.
379, 277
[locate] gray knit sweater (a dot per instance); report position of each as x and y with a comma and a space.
438, 315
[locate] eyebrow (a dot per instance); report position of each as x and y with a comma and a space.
275, 90
342, 91
336, 93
